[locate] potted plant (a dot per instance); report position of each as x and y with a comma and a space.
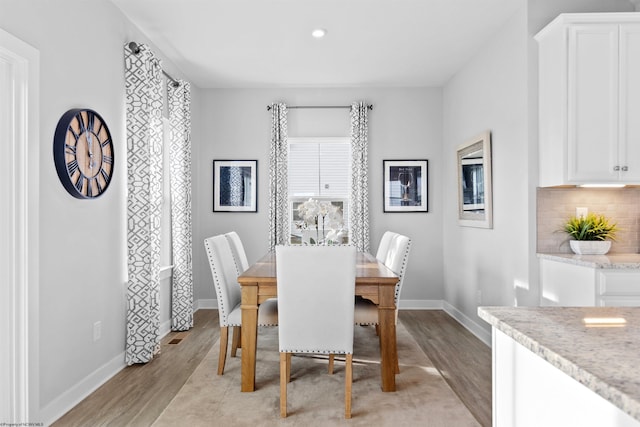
590, 234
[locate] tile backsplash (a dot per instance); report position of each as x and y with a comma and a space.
556, 205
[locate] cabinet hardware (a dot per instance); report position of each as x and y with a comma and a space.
625, 168
616, 168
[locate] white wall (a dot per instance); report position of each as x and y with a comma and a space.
83, 243
489, 93
404, 124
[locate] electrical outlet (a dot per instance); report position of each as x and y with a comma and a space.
479, 296
97, 330
581, 212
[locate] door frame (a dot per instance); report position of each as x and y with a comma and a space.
19, 255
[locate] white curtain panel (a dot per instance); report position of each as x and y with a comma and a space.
278, 189
182, 285
359, 198
144, 202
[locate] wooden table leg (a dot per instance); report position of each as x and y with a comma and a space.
388, 350
249, 338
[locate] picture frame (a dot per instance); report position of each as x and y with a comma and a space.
405, 185
235, 185
475, 183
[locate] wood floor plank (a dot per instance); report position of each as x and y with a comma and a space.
462, 359
138, 394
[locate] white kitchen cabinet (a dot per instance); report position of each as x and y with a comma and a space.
570, 285
589, 99
529, 391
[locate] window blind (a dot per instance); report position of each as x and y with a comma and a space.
319, 169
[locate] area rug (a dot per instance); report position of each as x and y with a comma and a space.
316, 398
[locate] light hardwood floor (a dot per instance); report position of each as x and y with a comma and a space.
138, 394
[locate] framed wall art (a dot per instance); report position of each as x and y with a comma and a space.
405, 185
475, 196
235, 185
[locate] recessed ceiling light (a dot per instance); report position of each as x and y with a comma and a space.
319, 33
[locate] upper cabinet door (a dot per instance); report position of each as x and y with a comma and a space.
629, 133
589, 99
592, 131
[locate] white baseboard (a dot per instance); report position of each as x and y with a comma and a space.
419, 304
468, 323
67, 400
165, 328
204, 304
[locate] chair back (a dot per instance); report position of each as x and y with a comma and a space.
225, 275
316, 289
383, 247
396, 257
239, 255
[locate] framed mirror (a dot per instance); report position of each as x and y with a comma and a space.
474, 182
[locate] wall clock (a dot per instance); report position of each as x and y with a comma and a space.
83, 153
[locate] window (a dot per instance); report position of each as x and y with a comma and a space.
319, 169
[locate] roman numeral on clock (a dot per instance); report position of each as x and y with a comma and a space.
79, 182
83, 127
72, 167
105, 175
90, 121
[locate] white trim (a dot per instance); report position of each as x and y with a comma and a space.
417, 304
205, 304
165, 328
23, 155
70, 398
473, 327
166, 272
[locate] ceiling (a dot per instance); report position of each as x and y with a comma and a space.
268, 43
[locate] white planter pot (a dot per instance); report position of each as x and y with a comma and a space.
590, 247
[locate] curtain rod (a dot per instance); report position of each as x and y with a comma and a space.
136, 50
370, 106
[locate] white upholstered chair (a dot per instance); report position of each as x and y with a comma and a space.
393, 252
237, 248
225, 281
316, 288
383, 247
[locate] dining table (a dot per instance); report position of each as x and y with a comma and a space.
374, 282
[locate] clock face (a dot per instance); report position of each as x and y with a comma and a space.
83, 153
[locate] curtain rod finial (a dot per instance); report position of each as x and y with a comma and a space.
134, 47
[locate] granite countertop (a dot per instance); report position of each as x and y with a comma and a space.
604, 359
628, 261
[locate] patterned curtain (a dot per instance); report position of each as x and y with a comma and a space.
359, 199
144, 202
182, 285
278, 189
